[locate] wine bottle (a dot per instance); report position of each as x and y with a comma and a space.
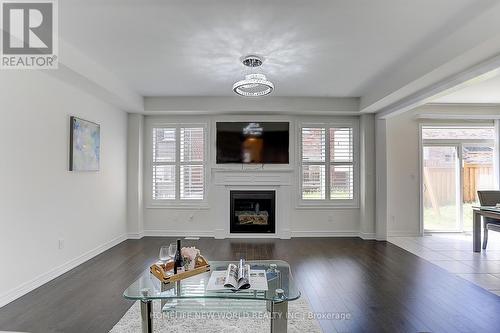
178, 260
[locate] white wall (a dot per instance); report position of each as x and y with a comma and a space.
40, 200
203, 221
381, 165
135, 134
403, 196
367, 176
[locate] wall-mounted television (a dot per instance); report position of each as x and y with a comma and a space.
252, 142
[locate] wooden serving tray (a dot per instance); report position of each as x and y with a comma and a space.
201, 266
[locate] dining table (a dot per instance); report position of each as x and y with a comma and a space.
480, 212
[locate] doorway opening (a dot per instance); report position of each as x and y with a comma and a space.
456, 162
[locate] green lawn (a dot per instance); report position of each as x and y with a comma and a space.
447, 220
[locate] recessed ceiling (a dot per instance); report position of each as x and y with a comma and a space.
484, 92
311, 48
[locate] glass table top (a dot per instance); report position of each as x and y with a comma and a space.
148, 287
488, 208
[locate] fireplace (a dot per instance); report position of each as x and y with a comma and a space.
252, 212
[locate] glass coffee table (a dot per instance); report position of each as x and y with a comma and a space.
148, 288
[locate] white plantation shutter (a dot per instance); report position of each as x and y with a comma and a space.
341, 148
191, 168
313, 182
164, 163
178, 163
164, 181
192, 145
327, 158
192, 182
341, 182
313, 163
341, 163
313, 144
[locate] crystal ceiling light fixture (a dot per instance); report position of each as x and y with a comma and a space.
254, 84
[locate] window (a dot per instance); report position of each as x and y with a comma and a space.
178, 163
327, 163
458, 133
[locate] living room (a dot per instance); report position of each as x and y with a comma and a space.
345, 150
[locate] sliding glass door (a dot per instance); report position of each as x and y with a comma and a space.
441, 195
477, 174
456, 163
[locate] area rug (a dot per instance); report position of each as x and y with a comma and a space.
211, 318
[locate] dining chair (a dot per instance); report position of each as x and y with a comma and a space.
489, 198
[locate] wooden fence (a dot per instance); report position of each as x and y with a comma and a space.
440, 188
472, 174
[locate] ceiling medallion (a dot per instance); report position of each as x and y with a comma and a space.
254, 84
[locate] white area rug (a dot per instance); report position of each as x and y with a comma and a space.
209, 317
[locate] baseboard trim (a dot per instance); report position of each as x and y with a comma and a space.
177, 233
324, 233
135, 235
368, 235
403, 234
40, 280
287, 235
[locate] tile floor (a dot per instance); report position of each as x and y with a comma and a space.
453, 252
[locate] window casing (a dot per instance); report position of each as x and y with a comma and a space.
178, 163
328, 164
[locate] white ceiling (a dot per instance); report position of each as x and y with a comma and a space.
312, 48
484, 92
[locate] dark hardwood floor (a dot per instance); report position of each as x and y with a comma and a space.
382, 287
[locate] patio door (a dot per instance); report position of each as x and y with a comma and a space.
452, 174
441, 188
456, 162
477, 174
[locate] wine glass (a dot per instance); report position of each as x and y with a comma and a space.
172, 249
164, 254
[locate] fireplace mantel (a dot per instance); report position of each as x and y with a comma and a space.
225, 178
279, 181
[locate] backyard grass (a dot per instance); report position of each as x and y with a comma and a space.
447, 218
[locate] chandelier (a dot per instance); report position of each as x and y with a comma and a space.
254, 84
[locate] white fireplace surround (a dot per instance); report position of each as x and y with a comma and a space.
279, 181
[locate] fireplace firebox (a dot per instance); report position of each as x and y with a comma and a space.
252, 211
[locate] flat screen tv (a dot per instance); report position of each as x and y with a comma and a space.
252, 142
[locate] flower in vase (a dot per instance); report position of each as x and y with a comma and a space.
189, 254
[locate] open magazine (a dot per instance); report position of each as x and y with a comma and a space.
238, 277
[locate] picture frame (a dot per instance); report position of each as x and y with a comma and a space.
85, 145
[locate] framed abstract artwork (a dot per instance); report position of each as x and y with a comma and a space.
85, 145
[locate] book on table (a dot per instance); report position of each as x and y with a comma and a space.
238, 277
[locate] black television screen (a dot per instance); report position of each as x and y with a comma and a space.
252, 142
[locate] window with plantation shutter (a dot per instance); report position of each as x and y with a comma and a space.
341, 163
164, 163
327, 163
191, 164
178, 163
313, 163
